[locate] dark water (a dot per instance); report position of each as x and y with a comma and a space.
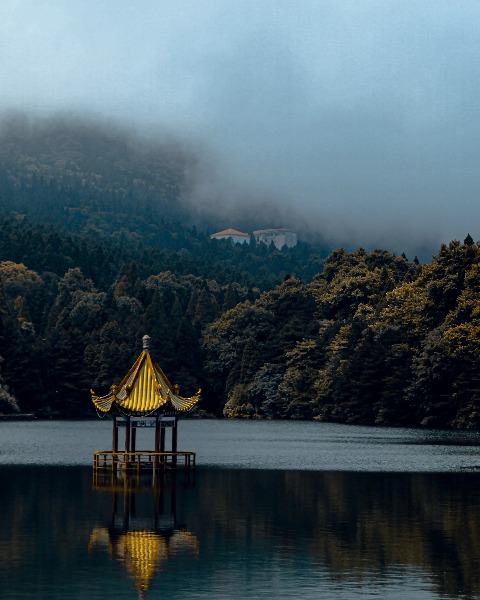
349, 524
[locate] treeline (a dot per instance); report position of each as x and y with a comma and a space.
73, 310
374, 339
96, 251
46, 248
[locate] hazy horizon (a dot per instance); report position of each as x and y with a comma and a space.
357, 119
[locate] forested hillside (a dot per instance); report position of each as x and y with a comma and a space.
374, 339
73, 310
92, 178
96, 250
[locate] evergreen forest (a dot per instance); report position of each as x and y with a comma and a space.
98, 247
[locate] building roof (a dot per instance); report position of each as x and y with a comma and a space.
230, 232
281, 230
144, 389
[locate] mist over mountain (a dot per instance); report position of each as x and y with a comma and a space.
355, 120
94, 161
111, 178
101, 167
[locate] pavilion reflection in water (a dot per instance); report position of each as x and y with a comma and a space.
143, 539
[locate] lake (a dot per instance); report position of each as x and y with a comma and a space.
274, 510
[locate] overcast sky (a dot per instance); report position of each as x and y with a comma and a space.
365, 115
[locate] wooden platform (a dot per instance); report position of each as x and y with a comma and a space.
142, 460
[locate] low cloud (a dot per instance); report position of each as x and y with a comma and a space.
355, 120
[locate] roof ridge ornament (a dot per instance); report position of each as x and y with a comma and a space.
146, 343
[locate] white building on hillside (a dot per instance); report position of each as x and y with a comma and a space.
237, 237
280, 237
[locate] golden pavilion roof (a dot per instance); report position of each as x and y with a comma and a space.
144, 389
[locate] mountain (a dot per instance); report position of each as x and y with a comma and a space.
96, 249
98, 246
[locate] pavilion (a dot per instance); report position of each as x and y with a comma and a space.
144, 398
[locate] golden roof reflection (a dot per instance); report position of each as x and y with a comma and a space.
143, 551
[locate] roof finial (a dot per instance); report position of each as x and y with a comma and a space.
146, 343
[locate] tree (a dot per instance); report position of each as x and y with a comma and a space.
8, 402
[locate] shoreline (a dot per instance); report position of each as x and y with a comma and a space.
18, 417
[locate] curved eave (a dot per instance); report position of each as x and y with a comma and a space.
103, 403
145, 389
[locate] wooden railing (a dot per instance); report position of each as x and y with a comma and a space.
142, 459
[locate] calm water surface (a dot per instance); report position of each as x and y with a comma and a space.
274, 510
297, 445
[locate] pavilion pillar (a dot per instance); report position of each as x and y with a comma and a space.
174, 443
157, 433
127, 434
133, 442
114, 446
115, 435
162, 439
175, 435
157, 440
